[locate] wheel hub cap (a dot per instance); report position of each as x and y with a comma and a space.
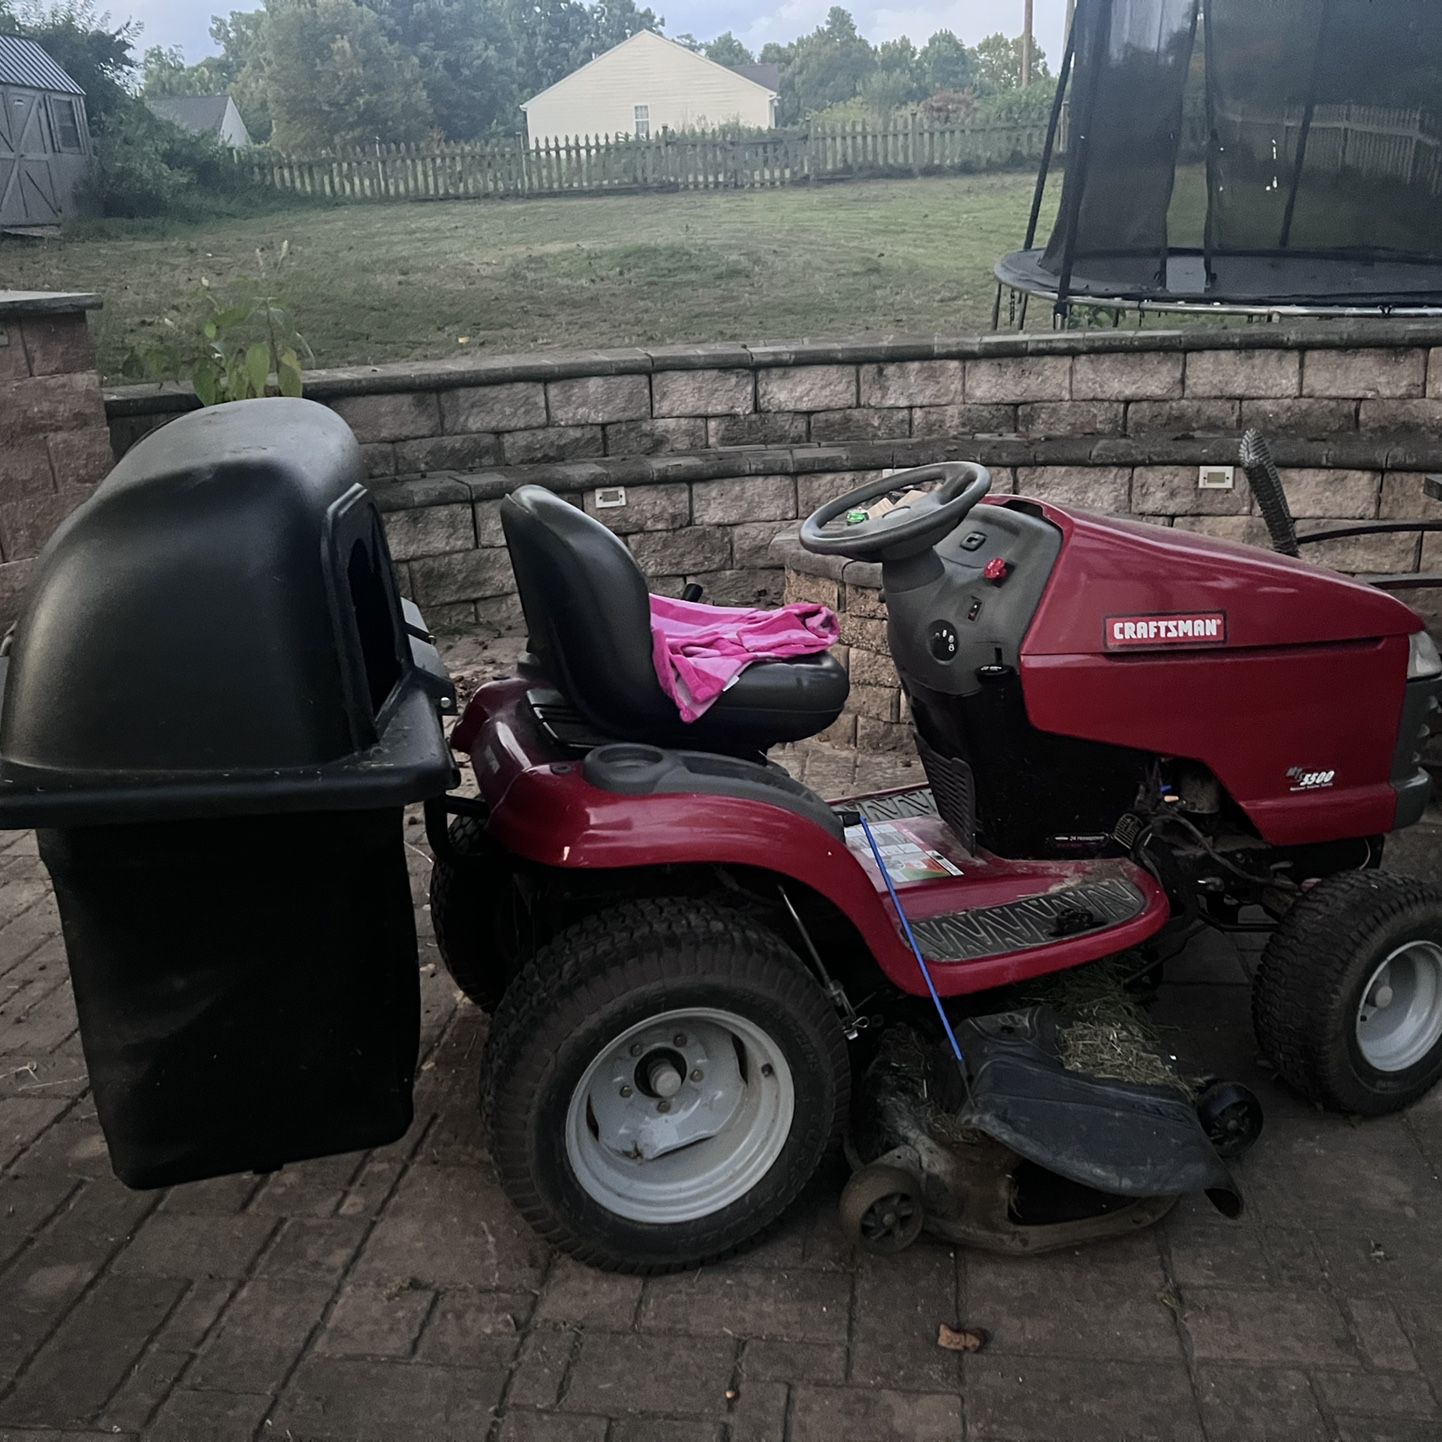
679, 1116
1399, 1019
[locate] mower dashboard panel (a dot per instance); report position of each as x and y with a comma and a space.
972, 601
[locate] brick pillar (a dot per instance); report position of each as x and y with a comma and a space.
54, 440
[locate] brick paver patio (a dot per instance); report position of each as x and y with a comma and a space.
395, 1296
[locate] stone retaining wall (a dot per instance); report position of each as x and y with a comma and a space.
54, 445
720, 447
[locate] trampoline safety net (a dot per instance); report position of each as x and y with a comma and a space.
1247, 152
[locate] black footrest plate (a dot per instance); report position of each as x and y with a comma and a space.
1079, 910
900, 806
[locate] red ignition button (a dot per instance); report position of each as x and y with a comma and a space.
996, 570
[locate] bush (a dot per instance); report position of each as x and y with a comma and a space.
1031, 106
145, 166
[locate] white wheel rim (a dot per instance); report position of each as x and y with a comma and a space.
679, 1116
1399, 1019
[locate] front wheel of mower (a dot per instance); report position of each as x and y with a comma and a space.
661, 1081
471, 904
1347, 1003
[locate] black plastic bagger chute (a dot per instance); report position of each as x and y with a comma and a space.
215, 708
1242, 155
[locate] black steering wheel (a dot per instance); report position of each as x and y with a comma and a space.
844, 528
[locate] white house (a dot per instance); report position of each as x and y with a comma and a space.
648, 83
212, 115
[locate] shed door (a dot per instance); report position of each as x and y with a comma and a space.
27, 188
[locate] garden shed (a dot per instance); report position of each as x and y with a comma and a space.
44, 138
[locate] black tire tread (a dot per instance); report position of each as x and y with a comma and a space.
1299, 997
636, 933
454, 919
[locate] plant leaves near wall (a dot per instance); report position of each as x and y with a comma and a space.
257, 368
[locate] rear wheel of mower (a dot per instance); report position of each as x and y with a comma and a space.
1347, 1003
468, 914
660, 1083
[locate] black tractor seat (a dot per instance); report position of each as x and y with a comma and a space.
588, 612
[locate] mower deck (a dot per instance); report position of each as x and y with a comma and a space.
966, 907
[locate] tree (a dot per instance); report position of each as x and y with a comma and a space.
96, 54
467, 60
826, 67
334, 78
726, 49
613, 21
896, 79
946, 64
998, 64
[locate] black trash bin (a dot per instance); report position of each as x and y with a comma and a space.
215, 708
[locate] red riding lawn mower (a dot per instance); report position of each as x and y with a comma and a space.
703, 976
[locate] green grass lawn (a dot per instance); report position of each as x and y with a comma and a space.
373, 283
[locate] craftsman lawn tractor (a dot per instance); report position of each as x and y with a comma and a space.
703, 977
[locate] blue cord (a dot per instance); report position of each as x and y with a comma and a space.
915, 949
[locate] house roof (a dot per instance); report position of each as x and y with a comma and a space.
763, 72
744, 71
23, 62
204, 114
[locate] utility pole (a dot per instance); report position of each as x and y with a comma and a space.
1026, 45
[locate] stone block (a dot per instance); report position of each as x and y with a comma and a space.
650, 1372
1019, 378
462, 576
1070, 418
14, 364
685, 552
866, 633
851, 1414
488, 524
1332, 492
758, 587
913, 383
430, 531
1405, 415
747, 498
454, 618
1092, 488
842, 731
703, 393
1244, 373
818, 590
25, 468
880, 702
42, 404
871, 668
1298, 1328
655, 438
1374, 371
1434, 372
512, 406
1109, 376
57, 344
866, 601
763, 428
397, 416
965, 420
647, 508
378, 460
813, 491
1305, 416
873, 734
598, 400
14, 582
806, 388
1173, 491
751, 542
500, 615
552, 443
1403, 499
26, 525
860, 425
1183, 417
447, 453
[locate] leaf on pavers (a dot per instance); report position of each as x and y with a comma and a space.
1169, 1299
961, 1339
1378, 1253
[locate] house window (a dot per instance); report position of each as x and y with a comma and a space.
65, 125
643, 122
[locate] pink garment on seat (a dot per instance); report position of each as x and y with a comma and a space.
700, 650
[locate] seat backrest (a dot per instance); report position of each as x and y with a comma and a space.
588, 613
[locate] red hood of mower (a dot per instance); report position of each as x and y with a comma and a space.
1118, 570
1284, 679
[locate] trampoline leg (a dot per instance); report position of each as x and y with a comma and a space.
996, 309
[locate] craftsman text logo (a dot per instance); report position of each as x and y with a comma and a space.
1183, 628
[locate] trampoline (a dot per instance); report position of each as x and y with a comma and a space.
1262, 157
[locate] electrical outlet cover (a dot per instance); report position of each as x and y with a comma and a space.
1216, 478
609, 497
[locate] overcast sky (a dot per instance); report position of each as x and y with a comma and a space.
186, 23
